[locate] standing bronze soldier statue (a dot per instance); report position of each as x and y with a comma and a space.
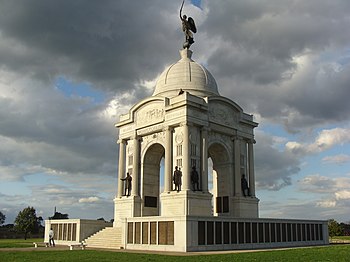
195, 179
127, 180
244, 185
188, 26
177, 179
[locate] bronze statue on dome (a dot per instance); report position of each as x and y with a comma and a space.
188, 27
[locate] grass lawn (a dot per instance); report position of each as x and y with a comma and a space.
341, 238
326, 253
6, 243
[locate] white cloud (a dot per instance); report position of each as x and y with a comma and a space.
93, 199
325, 140
337, 159
317, 184
329, 138
326, 204
342, 195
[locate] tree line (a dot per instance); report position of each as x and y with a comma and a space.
27, 223
338, 229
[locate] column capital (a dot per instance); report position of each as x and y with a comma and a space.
186, 123
205, 128
168, 128
121, 141
136, 137
236, 137
251, 141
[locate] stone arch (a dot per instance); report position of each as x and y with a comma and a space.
150, 179
222, 177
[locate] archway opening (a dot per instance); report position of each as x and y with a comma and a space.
152, 172
220, 178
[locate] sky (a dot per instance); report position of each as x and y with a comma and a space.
68, 69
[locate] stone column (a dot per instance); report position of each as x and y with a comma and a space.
251, 168
121, 166
186, 159
168, 159
204, 159
135, 167
237, 146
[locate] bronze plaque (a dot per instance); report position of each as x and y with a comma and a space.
151, 201
137, 232
226, 232
170, 235
162, 233
153, 232
144, 232
201, 232
130, 233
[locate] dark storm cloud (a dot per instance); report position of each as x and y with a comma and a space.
252, 48
274, 169
112, 44
255, 58
40, 127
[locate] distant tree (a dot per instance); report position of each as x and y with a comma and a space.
27, 221
345, 228
59, 215
2, 218
334, 229
112, 220
101, 218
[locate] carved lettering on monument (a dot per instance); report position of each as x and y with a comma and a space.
149, 115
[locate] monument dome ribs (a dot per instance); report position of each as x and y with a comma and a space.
188, 76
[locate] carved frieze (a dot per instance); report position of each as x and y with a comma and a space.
225, 140
223, 114
150, 129
152, 139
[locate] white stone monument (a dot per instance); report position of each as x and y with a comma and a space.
185, 124
182, 125
186, 121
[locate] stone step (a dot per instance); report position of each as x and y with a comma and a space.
110, 237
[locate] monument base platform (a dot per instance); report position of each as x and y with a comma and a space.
195, 233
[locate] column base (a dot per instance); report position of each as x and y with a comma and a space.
247, 207
186, 202
126, 206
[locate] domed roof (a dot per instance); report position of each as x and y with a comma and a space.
187, 75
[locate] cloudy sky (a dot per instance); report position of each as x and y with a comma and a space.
68, 69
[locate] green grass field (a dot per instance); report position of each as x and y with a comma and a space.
9, 243
325, 253
342, 237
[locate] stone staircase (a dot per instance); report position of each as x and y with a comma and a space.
109, 237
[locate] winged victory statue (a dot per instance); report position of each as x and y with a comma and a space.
188, 27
